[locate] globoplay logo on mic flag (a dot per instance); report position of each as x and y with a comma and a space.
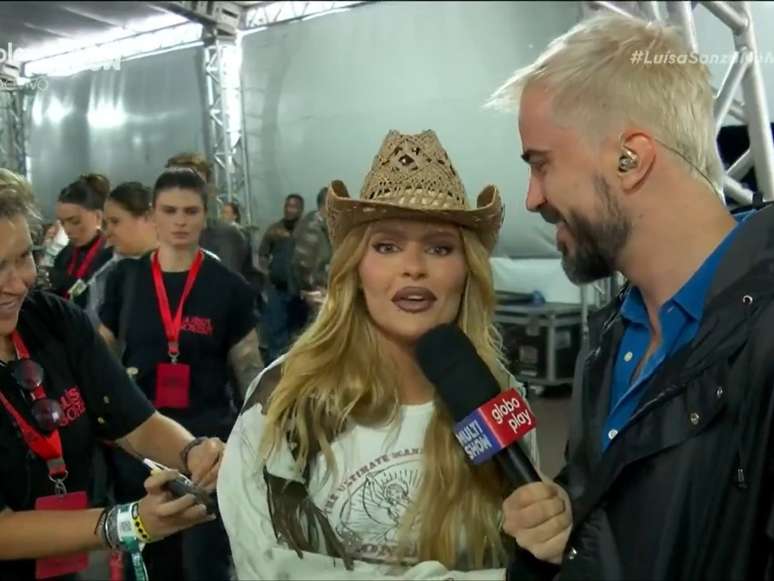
494, 426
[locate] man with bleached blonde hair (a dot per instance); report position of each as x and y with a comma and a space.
669, 469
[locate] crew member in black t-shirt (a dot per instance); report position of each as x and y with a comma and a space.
186, 317
79, 209
61, 391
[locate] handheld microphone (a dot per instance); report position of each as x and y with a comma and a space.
488, 422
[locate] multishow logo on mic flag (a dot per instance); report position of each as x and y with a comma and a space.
494, 426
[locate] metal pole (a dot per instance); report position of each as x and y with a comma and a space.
681, 14
737, 191
728, 88
759, 120
730, 15
741, 166
651, 10
611, 6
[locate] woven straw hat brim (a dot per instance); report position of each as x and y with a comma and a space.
344, 213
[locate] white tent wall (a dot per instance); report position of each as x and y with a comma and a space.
123, 123
320, 95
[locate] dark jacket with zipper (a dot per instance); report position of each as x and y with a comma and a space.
686, 489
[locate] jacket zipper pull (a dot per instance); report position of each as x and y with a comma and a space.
740, 478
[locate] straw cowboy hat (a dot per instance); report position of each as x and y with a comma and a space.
412, 177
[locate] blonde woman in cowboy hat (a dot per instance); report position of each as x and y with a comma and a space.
342, 449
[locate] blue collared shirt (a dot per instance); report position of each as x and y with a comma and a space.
679, 317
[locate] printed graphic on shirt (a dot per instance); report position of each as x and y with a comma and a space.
73, 406
367, 508
198, 325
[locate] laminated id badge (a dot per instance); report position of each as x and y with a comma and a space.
173, 385
65, 564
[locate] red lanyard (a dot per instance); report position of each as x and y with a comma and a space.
87, 260
172, 326
48, 447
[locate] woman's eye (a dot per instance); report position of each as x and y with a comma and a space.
441, 250
385, 247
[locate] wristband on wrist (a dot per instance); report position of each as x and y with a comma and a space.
129, 539
110, 529
139, 528
99, 529
126, 535
187, 450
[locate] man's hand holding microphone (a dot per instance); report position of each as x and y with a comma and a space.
539, 517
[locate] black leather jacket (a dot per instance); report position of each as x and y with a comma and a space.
686, 489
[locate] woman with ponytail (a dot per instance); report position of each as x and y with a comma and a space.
79, 209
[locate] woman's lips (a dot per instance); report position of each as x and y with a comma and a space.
414, 299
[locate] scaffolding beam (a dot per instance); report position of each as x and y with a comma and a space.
13, 129
226, 142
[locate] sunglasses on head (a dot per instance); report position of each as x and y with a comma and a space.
46, 411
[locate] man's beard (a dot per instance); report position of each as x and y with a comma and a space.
597, 244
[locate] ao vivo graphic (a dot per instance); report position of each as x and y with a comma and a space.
494, 426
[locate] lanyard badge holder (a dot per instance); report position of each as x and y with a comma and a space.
46, 443
47, 412
173, 379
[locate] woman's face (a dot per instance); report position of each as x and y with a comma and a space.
227, 214
17, 270
79, 224
179, 217
125, 231
413, 277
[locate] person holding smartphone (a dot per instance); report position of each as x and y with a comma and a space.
61, 392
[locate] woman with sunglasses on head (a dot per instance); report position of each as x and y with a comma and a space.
343, 463
129, 230
62, 391
188, 319
79, 210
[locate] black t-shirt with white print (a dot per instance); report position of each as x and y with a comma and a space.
98, 400
218, 314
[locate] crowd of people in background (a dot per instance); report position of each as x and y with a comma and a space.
100, 254
97, 226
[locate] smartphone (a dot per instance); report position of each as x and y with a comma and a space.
183, 485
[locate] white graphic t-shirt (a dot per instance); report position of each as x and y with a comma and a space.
379, 470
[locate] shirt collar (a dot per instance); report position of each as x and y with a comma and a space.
692, 295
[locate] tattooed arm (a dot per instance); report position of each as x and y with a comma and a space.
245, 360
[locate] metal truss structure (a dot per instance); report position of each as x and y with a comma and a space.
13, 124
224, 113
218, 26
744, 71
268, 13
222, 73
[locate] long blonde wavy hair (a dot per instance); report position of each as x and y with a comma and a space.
336, 373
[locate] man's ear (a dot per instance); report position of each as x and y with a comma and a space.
635, 160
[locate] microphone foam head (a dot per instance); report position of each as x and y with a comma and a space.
451, 363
